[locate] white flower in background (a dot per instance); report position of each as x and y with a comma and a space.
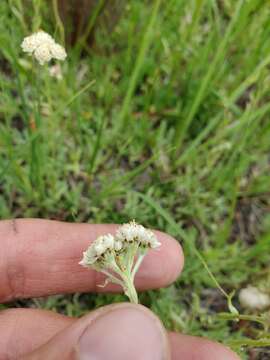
253, 299
56, 71
43, 47
119, 257
32, 42
43, 54
58, 52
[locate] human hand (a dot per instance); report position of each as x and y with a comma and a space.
40, 258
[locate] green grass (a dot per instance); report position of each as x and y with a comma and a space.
165, 120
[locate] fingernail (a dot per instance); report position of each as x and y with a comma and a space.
127, 333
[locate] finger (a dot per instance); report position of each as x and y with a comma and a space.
191, 347
40, 257
112, 332
25, 330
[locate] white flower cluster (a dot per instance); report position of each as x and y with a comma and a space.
98, 248
125, 235
253, 299
133, 232
119, 257
43, 47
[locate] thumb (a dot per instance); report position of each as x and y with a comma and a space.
114, 332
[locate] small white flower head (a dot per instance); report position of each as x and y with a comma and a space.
97, 250
133, 232
43, 47
32, 42
253, 299
43, 54
58, 52
108, 241
118, 245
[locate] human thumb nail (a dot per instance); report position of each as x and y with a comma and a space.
114, 332
124, 332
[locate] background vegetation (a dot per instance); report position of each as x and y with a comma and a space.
162, 117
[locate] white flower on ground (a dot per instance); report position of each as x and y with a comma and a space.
119, 257
43, 47
253, 299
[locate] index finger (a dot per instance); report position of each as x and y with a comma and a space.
40, 258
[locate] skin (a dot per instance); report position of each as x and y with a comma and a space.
40, 258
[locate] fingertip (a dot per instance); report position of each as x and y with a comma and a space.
112, 332
161, 266
172, 256
44, 244
192, 347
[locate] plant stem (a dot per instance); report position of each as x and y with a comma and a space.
36, 138
130, 290
124, 271
112, 278
136, 266
59, 21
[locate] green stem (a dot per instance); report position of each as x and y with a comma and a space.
136, 266
130, 256
90, 26
112, 278
128, 284
36, 137
123, 269
58, 21
130, 290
